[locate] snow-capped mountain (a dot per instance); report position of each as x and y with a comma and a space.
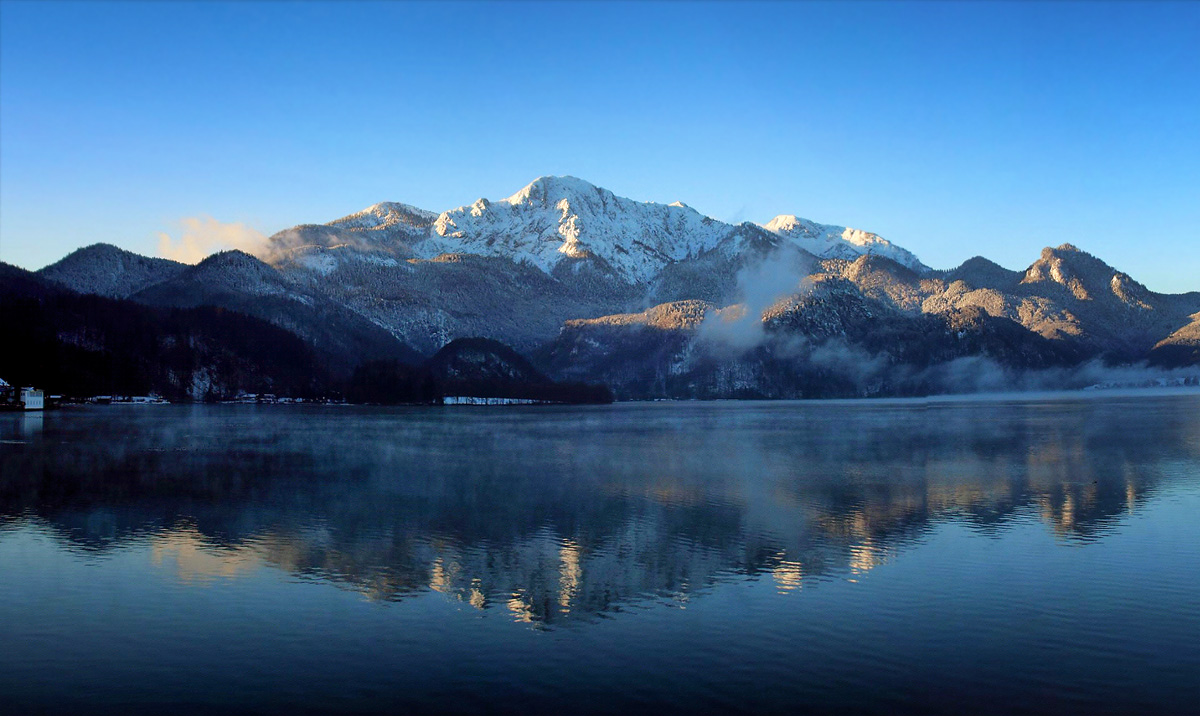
657, 299
384, 230
387, 216
839, 242
555, 221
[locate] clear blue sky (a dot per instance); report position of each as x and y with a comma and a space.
953, 129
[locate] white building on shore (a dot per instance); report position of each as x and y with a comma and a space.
33, 399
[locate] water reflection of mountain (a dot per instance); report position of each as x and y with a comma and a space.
554, 515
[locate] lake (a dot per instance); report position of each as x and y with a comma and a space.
1016, 554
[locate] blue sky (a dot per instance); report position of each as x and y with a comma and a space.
952, 129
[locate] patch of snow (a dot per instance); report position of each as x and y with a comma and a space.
557, 217
838, 242
322, 263
386, 214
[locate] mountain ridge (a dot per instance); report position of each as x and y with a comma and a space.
561, 218
577, 275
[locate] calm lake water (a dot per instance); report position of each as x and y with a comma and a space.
1019, 555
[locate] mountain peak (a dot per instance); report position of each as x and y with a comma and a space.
785, 222
551, 189
979, 272
1080, 272
94, 251
109, 270
230, 258
557, 219
555, 222
839, 242
385, 215
98, 248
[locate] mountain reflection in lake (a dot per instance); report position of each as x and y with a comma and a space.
1020, 555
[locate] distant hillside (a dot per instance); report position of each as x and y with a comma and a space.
237, 281
83, 345
106, 270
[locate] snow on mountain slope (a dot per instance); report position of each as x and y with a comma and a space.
839, 242
381, 232
559, 221
515, 268
387, 215
555, 218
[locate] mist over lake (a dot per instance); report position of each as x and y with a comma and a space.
1014, 554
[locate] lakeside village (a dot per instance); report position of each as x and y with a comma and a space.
30, 398
36, 399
